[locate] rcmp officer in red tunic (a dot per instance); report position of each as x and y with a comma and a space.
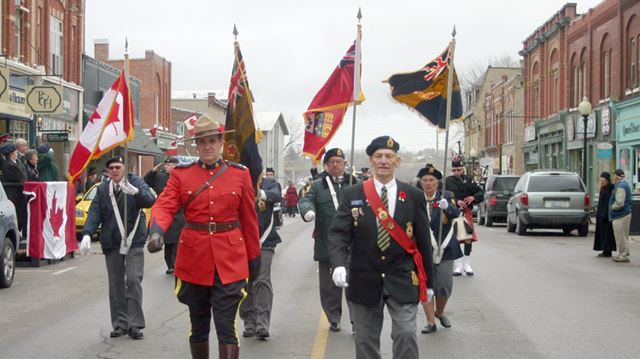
219, 246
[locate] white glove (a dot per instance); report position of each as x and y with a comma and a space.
429, 294
128, 188
85, 245
263, 195
443, 203
310, 216
340, 277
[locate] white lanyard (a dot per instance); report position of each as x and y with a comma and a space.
124, 247
267, 231
332, 190
437, 253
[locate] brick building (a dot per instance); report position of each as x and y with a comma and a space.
42, 42
154, 72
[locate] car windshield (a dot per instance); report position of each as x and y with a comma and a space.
555, 183
505, 184
92, 193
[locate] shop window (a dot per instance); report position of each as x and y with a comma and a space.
55, 45
20, 129
633, 63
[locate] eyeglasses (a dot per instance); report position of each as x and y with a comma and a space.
114, 168
336, 162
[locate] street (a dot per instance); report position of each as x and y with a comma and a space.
544, 295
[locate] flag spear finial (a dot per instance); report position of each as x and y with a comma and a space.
453, 33
359, 16
126, 44
235, 32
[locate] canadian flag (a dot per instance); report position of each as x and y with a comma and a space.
110, 126
172, 149
190, 123
51, 229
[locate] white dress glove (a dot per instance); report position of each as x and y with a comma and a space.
340, 277
85, 245
263, 195
310, 216
429, 294
128, 188
443, 203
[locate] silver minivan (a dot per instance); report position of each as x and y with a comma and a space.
549, 199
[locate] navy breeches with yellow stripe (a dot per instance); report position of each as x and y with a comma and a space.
221, 300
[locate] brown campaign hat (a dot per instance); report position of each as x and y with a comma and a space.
207, 127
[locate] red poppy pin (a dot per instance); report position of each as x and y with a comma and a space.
402, 196
436, 204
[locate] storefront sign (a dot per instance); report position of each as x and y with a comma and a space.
591, 126
4, 84
55, 137
606, 121
46, 99
629, 130
605, 151
530, 133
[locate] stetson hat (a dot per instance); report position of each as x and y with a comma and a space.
207, 127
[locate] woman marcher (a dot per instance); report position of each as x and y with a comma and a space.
446, 252
604, 239
46, 167
31, 160
291, 199
13, 179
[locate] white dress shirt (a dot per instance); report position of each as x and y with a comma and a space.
392, 193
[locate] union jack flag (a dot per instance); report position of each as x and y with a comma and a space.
350, 57
239, 80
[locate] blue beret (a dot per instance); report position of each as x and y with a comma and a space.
382, 142
6, 150
117, 159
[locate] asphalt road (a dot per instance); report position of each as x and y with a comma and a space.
544, 295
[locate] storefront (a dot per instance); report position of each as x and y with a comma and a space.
530, 148
15, 122
551, 134
628, 139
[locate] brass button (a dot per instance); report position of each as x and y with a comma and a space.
211, 173
188, 192
382, 275
211, 187
211, 202
233, 193
383, 257
211, 218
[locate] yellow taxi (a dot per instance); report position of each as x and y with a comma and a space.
84, 202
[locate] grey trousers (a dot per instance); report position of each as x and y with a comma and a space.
621, 233
255, 310
368, 324
330, 294
125, 287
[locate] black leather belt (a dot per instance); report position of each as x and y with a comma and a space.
212, 227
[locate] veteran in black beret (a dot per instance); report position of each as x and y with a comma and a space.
382, 224
13, 178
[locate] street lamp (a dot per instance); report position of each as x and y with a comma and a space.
585, 110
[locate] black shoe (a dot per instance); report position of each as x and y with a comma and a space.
335, 327
135, 333
605, 254
118, 332
429, 328
249, 332
169, 271
262, 334
444, 321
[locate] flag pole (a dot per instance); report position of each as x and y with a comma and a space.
126, 144
452, 46
356, 94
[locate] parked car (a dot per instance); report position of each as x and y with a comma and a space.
8, 240
549, 199
497, 191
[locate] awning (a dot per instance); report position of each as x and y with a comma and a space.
143, 144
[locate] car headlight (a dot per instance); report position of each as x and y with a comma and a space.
79, 212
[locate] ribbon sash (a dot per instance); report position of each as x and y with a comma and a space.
397, 233
124, 245
332, 190
438, 250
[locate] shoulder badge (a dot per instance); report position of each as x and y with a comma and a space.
236, 165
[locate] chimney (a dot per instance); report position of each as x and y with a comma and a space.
101, 49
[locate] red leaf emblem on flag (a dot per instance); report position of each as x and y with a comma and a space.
55, 216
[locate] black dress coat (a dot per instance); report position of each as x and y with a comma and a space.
464, 186
13, 178
604, 239
452, 250
265, 215
158, 181
373, 273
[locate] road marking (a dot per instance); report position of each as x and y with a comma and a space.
321, 338
64, 270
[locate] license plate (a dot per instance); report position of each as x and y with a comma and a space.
556, 204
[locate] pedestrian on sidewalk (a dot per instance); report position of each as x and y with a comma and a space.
604, 238
124, 258
446, 251
255, 310
320, 204
291, 199
620, 215
382, 224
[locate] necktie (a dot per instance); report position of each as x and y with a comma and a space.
117, 189
384, 238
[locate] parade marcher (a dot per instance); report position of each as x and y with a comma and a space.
124, 258
47, 169
157, 179
382, 223
291, 199
31, 161
92, 178
255, 310
219, 247
321, 203
444, 253
604, 238
13, 178
466, 193
620, 215
277, 208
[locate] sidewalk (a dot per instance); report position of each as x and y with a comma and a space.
635, 239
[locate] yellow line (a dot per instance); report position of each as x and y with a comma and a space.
322, 333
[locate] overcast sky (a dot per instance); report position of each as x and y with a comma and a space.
291, 47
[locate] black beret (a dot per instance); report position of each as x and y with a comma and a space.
619, 172
334, 152
117, 159
456, 163
606, 175
172, 160
6, 150
270, 169
382, 142
429, 170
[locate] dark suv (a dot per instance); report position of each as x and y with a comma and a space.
497, 191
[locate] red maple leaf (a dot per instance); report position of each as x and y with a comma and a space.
55, 216
113, 116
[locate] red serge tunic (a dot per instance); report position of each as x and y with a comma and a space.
229, 198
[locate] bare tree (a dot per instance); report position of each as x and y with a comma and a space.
296, 134
471, 74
